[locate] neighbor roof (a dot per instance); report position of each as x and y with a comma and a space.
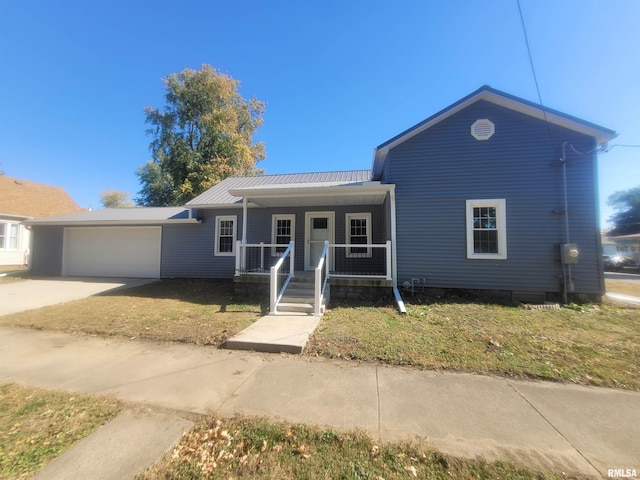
121, 216
25, 199
220, 195
601, 134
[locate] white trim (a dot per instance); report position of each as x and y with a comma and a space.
347, 233
501, 228
274, 219
222, 218
308, 216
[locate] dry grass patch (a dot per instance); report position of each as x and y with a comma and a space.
590, 345
204, 312
37, 425
259, 449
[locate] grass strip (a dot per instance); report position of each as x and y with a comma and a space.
260, 449
37, 425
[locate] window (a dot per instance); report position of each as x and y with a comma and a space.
9, 236
283, 231
226, 235
486, 229
358, 226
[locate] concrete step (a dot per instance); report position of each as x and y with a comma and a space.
286, 333
297, 299
301, 308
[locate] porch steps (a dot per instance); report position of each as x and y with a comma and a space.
299, 297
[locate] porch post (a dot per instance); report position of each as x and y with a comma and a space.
244, 219
389, 260
238, 257
394, 242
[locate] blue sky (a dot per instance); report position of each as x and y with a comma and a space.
339, 77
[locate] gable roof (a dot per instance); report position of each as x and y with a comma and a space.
229, 191
25, 199
601, 134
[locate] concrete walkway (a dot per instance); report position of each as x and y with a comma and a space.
275, 334
561, 428
41, 292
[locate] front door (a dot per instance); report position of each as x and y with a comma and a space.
319, 228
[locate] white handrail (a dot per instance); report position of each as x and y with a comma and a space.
275, 293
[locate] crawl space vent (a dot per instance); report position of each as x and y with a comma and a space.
483, 129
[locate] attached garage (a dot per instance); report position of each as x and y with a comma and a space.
112, 251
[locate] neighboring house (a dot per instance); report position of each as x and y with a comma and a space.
487, 194
23, 200
609, 247
628, 246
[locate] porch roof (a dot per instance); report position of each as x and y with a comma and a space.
301, 195
351, 187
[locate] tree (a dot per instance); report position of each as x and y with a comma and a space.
626, 220
115, 199
203, 135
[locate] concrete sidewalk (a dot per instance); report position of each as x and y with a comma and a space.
548, 426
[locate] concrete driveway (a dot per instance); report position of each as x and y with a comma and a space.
36, 293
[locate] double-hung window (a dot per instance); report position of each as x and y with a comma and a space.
283, 230
226, 235
358, 226
487, 229
9, 236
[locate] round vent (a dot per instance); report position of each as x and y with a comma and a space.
483, 129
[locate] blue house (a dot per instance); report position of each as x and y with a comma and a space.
492, 193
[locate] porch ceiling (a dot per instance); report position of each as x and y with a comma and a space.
369, 193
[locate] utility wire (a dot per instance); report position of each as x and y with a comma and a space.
533, 70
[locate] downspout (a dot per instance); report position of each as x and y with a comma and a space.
394, 256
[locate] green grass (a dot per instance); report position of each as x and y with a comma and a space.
590, 345
37, 425
261, 449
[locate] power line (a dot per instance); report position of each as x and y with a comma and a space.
533, 70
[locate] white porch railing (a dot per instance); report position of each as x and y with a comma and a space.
279, 280
256, 258
361, 260
321, 275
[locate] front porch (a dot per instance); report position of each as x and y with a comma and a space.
340, 269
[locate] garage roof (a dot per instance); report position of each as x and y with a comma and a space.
121, 216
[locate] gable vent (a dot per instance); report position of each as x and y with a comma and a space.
483, 129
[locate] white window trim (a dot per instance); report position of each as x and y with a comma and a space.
219, 219
501, 226
347, 226
274, 221
6, 227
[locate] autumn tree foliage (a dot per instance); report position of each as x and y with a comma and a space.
115, 199
203, 135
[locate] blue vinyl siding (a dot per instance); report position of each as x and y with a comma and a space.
188, 250
436, 171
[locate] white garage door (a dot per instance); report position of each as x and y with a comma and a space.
112, 252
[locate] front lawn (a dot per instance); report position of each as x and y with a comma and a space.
203, 312
589, 344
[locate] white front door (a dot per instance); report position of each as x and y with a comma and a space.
319, 227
